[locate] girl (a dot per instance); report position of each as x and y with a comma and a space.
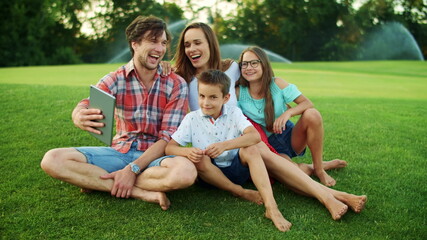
264, 99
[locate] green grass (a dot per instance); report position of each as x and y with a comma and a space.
374, 116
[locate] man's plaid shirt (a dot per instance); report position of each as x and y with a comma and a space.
144, 115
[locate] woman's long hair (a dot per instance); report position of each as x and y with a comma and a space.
266, 78
183, 65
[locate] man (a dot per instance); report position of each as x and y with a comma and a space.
149, 108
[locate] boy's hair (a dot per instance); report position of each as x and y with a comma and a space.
136, 30
216, 77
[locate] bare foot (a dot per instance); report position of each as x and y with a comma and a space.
325, 179
335, 207
153, 197
279, 221
326, 165
85, 190
250, 195
334, 164
306, 168
356, 203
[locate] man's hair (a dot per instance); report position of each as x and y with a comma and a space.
136, 31
215, 78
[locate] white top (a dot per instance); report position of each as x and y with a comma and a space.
233, 72
202, 130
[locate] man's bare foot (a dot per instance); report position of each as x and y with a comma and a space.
250, 195
335, 207
277, 218
153, 197
334, 164
325, 179
356, 203
85, 190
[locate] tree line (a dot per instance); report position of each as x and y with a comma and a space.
49, 32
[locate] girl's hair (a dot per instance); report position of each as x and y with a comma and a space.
183, 65
266, 79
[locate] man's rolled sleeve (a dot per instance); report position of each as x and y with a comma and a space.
175, 110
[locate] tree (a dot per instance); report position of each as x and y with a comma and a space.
111, 41
39, 32
299, 30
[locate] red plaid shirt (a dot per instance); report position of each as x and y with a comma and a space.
144, 115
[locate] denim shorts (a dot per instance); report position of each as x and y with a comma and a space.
282, 142
112, 160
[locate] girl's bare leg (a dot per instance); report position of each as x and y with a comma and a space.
308, 131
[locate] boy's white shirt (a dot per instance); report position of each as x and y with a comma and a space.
198, 129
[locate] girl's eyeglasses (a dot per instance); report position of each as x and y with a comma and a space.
253, 63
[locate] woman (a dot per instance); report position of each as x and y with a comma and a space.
198, 50
264, 99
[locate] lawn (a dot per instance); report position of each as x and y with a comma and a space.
374, 116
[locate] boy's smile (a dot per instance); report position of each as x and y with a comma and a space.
211, 99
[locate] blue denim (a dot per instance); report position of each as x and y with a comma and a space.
112, 160
282, 142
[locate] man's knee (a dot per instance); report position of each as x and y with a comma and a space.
50, 163
53, 162
183, 173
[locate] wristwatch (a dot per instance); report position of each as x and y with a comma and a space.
134, 168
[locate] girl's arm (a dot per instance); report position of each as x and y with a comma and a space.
250, 137
303, 103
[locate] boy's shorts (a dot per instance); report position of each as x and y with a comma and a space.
282, 142
112, 160
236, 172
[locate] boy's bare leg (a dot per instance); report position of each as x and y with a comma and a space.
251, 157
69, 165
213, 175
289, 174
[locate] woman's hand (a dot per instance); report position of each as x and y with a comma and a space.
166, 68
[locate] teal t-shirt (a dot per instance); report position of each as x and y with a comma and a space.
254, 108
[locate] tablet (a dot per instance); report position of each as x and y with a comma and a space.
106, 103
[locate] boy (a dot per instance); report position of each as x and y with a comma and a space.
223, 148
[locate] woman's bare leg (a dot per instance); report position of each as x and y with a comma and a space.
289, 174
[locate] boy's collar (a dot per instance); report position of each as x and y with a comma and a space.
224, 111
